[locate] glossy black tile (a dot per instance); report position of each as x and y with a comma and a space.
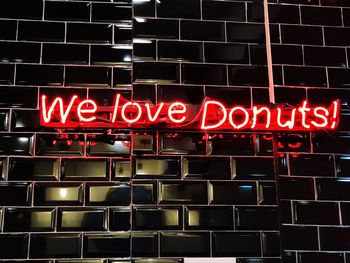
110, 13
104, 145
179, 9
81, 220
88, 76
97, 246
156, 28
236, 244
202, 30
212, 217
310, 35
119, 219
161, 168
117, 194
25, 120
67, 11
248, 76
55, 245
7, 74
271, 244
236, 144
51, 194
89, 33
297, 188
83, 169
8, 29
305, 76
333, 188
65, 54
55, 144
159, 218
337, 36
144, 192
300, 237
313, 213
15, 194
326, 16
123, 34
183, 192
335, 3
204, 74
42, 75
206, 168
233, 193
228, 96
156, 72
180, 143
334, 238
180, 51
41, 31
19, 52
321, 257
336, 143
144, 244
226, 53
221, 10
4, 120
190, 244
145, 51
16, 144
23, 220
186, 93
325, 56
256, 218
285, 14
122, 76
144, 8
338, 78
32, 10
13, 246
110, 55
311, 165
267, 193
33, 169
253, 168
246, 33
342, 165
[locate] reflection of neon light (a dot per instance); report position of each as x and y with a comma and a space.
91, 111
138, 116
246, 116
222, 110
211, 115
174, 110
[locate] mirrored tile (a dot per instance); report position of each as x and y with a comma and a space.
111, 194
157, 218
23, 220
81, 220
58, 194
33, 169
78, 169
55, 246
97, 246
183, 192
146, 168
211, 217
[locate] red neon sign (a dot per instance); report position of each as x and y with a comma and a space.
210, 115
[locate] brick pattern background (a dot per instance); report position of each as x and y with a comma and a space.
136, 195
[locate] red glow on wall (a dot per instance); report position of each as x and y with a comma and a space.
210, 115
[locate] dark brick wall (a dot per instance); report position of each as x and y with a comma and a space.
164, 195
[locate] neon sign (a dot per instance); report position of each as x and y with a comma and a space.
210, 115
